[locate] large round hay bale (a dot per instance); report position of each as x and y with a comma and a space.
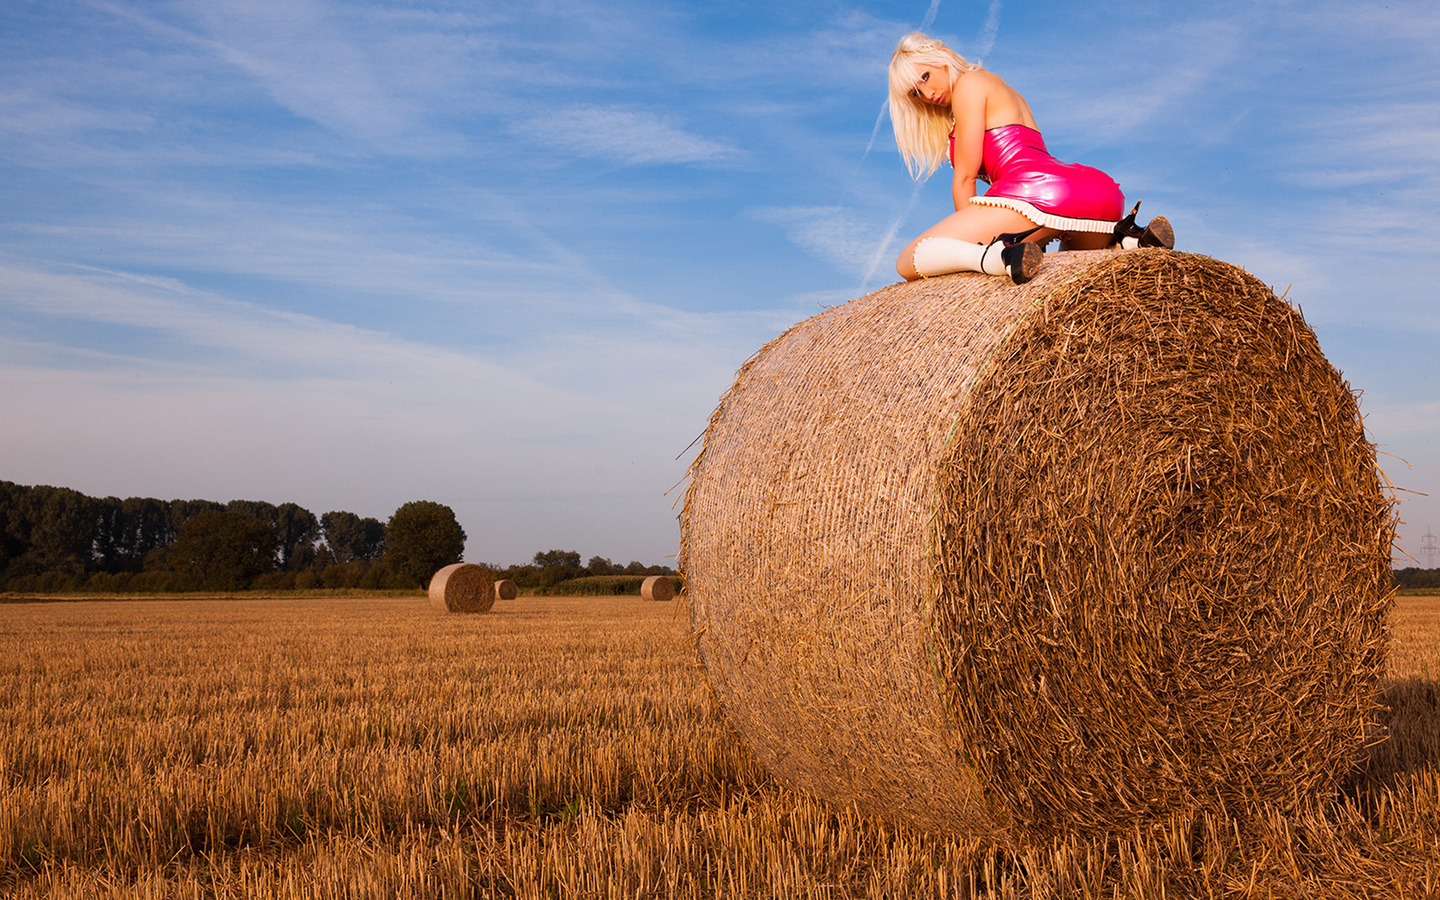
657, 587
463, 587
505, 589
985, 559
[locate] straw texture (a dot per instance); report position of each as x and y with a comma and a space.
991, 560
505, 589
657, 587
463, 587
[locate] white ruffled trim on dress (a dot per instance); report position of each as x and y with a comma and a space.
1040, 217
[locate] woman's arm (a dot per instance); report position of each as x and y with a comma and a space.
967, 106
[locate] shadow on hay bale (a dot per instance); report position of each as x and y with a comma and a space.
462, 587
1095, 550
657, 587
505, 589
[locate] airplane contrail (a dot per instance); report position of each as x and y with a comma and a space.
930, 16
992, 27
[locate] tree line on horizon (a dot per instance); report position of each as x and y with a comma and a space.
1416, 577
551, 567
55, 539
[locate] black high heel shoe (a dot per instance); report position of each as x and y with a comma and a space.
1016, 237
1156, 233
1022, 258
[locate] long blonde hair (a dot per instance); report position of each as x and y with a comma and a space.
922, 130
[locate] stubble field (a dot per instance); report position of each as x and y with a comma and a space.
553, 748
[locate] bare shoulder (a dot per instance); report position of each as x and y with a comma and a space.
981, 81
972, 95
1003, 104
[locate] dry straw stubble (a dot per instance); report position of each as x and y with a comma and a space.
462, 587
366, 749
1096, 550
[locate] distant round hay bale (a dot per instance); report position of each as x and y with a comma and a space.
657, 587
1096, 550
505, 589
463, 587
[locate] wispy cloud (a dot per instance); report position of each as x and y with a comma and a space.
513, 253
26, 111
307, 65
1395, 420
256, 338
626, 136
930, 14
1152, 85
229, 398
1378, 143
837, 235
989, 31
351, 71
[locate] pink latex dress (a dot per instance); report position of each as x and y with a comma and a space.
1024, 177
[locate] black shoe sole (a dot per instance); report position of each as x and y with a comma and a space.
1022, 261
1158, 234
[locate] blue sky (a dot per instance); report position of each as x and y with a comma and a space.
508, 255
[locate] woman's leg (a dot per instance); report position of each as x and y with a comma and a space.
979, 225
1085, 240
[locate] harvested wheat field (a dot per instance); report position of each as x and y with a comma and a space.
1081, 555
329, 748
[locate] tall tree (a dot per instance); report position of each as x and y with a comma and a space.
109, 543
182, 511
421, 538
149, 526
259, 510
222, 550
558, 565
56, 527
557, 559
296, 531
14, 536
351, 538
128, 529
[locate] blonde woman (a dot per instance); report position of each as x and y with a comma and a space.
944, 107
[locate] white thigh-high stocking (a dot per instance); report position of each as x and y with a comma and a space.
942, 255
